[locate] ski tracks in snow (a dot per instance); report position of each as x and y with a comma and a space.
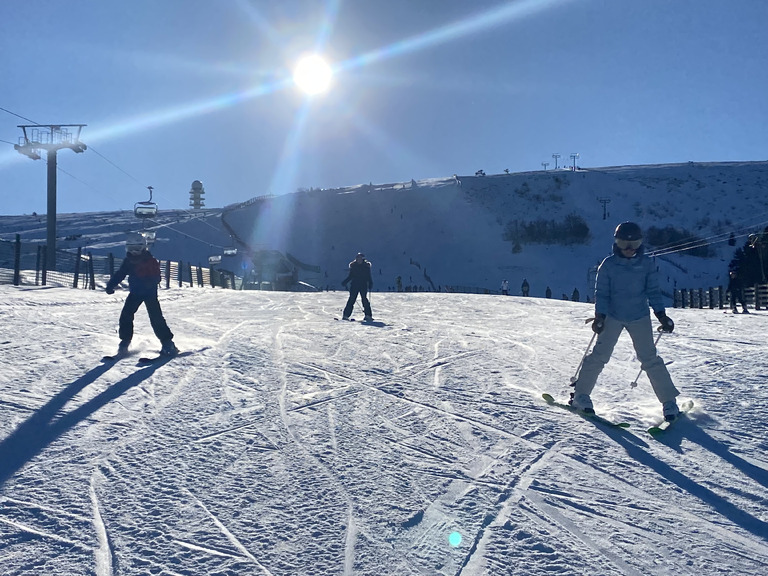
299, 445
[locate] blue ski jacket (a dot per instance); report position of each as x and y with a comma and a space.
625, 287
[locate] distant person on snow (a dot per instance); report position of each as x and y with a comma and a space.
627, 282
505, 287
360, 282
736, 291
525, 287
143, 272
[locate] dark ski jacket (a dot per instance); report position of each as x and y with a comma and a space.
359, 275
143, 272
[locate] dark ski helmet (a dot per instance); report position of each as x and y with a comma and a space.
628, 235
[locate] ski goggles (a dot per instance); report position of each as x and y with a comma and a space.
625, 244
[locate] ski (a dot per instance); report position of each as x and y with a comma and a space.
345, 319
114, 357
589, 416
146, 360
659, 430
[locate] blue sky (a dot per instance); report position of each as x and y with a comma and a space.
179, 90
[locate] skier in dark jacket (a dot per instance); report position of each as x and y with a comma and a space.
360, 282
143, 272
736, 291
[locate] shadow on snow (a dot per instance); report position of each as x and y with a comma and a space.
43, 428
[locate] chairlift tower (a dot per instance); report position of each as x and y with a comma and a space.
51, 138
574, 156
555, 156
545, 164
604, 202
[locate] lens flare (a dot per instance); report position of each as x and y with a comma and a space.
454, 539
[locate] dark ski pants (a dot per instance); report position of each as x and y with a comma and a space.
132, 303
353, 292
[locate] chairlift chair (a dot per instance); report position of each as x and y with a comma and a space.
147, 208
230, 251
215, 259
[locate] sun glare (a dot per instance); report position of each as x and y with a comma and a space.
312, 74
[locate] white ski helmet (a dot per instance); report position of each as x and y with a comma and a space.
135, 243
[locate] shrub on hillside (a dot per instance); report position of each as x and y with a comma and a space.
572, 230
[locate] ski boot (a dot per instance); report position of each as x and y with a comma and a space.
670, 410
169, 349
582, 402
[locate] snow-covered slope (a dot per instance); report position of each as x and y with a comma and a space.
291, 443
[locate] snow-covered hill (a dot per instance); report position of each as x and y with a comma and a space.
459, 231
457, 228
291, 443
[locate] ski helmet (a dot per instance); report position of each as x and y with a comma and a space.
135, 243
628, 235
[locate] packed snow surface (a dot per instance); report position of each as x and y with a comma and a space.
287, 442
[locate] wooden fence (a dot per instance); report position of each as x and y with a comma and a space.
755, 297
25, 264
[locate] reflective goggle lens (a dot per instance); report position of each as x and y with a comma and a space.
624, 244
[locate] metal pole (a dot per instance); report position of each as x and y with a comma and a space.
51, 216
633, 384
578, 369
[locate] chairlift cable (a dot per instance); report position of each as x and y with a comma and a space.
18, 116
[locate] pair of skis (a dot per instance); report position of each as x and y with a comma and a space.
144, 360
655, 431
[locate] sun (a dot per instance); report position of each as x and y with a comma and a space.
312, 74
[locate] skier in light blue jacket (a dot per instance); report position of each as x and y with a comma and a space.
627, 283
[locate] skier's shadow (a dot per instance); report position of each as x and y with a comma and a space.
43, 427
698, 436
736, 515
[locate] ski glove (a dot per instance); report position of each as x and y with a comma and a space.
109, 290
598, 323
666, 322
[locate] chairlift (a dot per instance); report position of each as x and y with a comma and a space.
149, 235
147, 208
230, 250
215, 259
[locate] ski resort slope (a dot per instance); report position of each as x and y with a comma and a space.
290, 443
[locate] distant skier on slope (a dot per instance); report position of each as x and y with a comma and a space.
143, 272
736, 291
627, 282
360, 281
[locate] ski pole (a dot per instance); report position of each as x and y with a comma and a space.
633, 384
578, 369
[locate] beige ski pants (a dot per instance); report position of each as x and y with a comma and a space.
641, 333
